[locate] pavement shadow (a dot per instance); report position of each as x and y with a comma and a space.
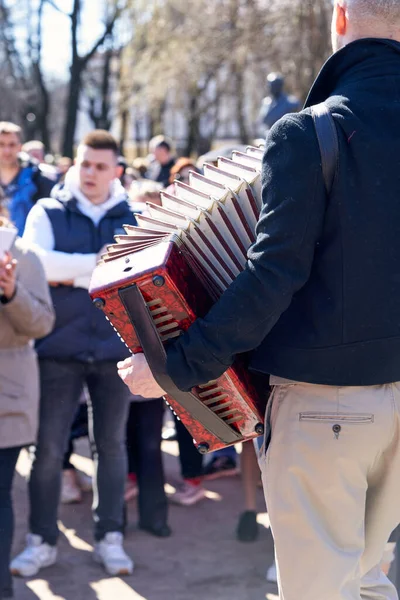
202, 559
46, 588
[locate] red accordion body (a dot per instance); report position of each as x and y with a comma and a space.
175, 297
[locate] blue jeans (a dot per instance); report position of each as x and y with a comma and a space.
8, 460
61, 387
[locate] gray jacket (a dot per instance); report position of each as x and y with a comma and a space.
28, 316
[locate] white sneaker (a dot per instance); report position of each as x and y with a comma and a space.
271, 574
36, 556
70, 492
85, 482
110, 553
188, 494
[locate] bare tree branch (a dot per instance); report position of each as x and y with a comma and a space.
202, 56
57, 8
77, 69
107, 32
8, 41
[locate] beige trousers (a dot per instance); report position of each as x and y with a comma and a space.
331, 477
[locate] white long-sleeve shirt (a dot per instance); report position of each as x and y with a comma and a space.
63, 266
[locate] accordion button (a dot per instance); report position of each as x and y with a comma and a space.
203, 448
158, 281
259, 428
99, 303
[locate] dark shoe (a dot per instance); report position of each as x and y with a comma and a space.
161, 530
220, 466
247, 530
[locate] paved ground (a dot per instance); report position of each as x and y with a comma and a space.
201, 561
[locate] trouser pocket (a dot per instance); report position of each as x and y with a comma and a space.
339, 420
327, 417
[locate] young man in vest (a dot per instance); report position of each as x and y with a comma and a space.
319, 307
21, 180
68, 232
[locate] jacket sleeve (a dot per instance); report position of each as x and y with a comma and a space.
279, 263
30, 311
58, 266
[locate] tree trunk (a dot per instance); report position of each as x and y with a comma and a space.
105, 91
239, 96
75, 84
124, 130
44, 104
157, 119
43, 117
101, 117
72, 110
193, 125
77, 68
151, 126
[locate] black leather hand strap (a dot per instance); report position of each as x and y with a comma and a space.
328, 142
154, 351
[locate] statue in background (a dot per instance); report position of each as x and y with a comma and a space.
277, 103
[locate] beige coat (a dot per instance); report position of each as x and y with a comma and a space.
29, 315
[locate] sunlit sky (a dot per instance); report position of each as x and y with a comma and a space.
56, 30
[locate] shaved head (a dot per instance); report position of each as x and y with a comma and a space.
356, 19
378, 9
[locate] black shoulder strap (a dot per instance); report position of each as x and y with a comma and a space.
328, 142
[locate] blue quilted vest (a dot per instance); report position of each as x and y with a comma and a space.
81, 331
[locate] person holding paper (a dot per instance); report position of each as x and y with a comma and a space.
26, 313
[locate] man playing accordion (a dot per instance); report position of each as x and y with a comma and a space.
318, 308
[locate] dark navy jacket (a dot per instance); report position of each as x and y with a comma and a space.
319, 300
81, 332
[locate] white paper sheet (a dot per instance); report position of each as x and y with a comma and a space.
7, 237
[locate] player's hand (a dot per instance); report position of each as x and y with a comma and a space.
136, 374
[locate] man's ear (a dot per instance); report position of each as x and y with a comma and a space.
119, 172
341, 19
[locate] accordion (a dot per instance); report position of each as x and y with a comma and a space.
157, 278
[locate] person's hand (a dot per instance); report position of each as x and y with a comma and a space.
8, 279
136, 374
